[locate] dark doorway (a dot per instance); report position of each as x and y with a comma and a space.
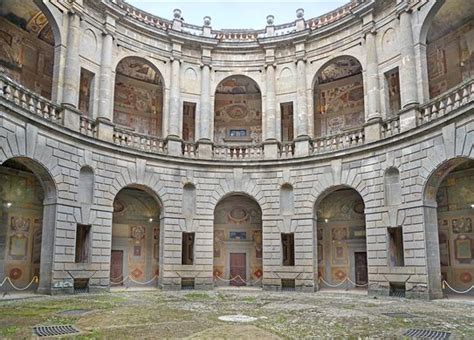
361, 268
116, 267
238, 268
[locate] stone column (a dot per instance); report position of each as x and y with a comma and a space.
72, 74
105, 116
72, 70
408, 79
373, 117
301, 117
205, 116
174, 119
271, 143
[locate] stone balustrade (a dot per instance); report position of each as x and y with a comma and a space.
287, 150
337, 142
88, 127
134, 140
190, 150
238, 152
438, 107
391, 127
332, 16
447, 102
28, 100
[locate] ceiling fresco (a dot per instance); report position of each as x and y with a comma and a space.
238, 85
340, 68
136, 202
137, 68
453, 14
26, 15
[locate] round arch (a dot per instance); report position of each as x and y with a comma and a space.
44, 238
136, 236
238, 110
237, 218
448, 224
139, 96
339, 239
339, 77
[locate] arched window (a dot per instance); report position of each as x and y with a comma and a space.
138, 101
27, 45
338, 97
238, 111
449, 50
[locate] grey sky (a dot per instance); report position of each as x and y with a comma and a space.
237, 14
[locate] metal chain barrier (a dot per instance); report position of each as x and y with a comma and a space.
239, 277
445, 284
341, 283
112, 281
35, 279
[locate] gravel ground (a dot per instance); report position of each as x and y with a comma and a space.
195, 314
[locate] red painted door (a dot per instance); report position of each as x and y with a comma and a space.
361, 268
116, 267
238, 268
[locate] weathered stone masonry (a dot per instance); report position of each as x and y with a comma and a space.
426, 135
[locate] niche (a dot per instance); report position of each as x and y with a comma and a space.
86, 185
287, 200
189, 200
393, 190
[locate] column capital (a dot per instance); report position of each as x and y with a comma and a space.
368, 29
176, 58
300, 58
270, 64
402, 7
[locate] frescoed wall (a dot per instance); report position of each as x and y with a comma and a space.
21, 212
341, 234
138, 102
26, 46
238, 229
238, 111
135, 233
339, 97
455, 222
450, 58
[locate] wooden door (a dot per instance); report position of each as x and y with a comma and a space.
238, 267
361, 268
116, 267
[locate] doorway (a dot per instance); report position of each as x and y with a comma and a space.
361, 268
238, 268
116, 267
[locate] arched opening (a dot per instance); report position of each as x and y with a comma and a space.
27, 46
28, 213
452, 186
338, 97
138, 99
238, 111
450, 47
238, 248
135, 255
341, 240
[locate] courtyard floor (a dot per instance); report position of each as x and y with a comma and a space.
195, 314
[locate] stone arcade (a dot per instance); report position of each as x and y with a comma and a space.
329, 151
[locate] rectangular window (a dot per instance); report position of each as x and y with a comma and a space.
288, 244
82, 243
392, 82
85, 92
189, 121
187, 254
286, 110
396, 247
